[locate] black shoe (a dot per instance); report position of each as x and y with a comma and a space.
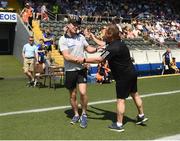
30, 83
141, 120
116, 128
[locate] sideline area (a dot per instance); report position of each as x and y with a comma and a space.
90, 103
174, 137
158, 76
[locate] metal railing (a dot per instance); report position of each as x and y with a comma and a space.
84, 18
51, 15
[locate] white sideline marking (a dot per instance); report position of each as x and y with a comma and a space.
90, 103
173, 137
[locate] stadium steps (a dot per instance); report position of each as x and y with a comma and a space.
57, 57
38, 35
36, 30
139, 44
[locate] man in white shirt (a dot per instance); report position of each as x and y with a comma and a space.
29, 54
72, 45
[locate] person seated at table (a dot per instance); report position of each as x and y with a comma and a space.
173, 66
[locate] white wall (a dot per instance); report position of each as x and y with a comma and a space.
147, 56
152, 56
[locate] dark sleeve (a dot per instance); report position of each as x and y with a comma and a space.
105, 54
108, 53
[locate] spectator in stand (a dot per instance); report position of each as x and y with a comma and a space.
43, 10
45, 17
136, 32
139, 26
40, 65
161, 40
29, 54
37, 11
48, 38
55, 8
41, 52
102, 32
30, 14
4, 4
130, 33
86, 32
25, 16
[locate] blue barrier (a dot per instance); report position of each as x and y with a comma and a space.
93, 70
155, 66
149, 69
142, 69
178, 64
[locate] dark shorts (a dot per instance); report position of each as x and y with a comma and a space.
49, 48
75, 77
126, 86
41, 59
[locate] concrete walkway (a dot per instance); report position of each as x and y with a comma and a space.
174, 137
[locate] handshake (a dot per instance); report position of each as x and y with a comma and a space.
80, 60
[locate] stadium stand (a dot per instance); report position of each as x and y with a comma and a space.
146, 52
150, 19
14, 4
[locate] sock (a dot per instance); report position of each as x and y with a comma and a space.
141, 115
83, 113
76, 115
119, 124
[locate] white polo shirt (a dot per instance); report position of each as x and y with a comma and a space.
75, 46
29, 50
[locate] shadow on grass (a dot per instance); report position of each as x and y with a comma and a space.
55, 86
101, 114
59, 85
1, 78
69, 113
107, 115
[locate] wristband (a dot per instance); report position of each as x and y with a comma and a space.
84, 61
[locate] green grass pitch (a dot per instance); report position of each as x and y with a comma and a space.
163, 111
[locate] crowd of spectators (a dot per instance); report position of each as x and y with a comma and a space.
162, 24
157, 30
108, 8
4, 6
39, 10
118, 8
154, 31
154, 20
